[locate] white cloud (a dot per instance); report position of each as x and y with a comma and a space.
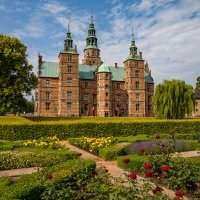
54, 7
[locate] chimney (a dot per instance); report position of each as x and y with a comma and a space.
140, 54
116, 65
39, 63
39, 59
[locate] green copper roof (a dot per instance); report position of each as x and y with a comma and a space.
104, 68
148, 78
50, 69
87, 71
133, 57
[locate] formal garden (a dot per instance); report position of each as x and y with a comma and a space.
146, 147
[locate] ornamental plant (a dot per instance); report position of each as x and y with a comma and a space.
93, 144
44, 142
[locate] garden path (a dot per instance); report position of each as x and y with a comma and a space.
112, 167
18, 172
188, 154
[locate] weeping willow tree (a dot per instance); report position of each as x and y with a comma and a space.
173, 99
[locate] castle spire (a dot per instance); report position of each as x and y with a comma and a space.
91, 40
68, 43
133, 48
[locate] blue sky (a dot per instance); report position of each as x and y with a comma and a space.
166, 31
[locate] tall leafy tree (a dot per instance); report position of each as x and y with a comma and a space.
198, 84
173, 99
16, 76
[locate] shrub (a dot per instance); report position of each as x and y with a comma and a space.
30, 158
135, 163
92, 144
44, 142
154, 147
30, 187
111, 152
95, 127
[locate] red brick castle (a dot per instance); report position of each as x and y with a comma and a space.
67, 88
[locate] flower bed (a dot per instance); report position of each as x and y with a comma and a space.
178, 174
93, 145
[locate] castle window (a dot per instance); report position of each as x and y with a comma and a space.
69, 68
137, 97
69, 58
106, 105
137, 84
106, 93
86, 107
69, 106
136, 64
47, 83
69, 95
86, 84
137, 72
47, 95
106, 85
85, 97
69, 79
118, 85
47, 105
137, 107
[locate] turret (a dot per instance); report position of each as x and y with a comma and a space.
134, 81
68, 78
91, 51
104, 89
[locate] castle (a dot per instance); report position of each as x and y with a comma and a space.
93, 88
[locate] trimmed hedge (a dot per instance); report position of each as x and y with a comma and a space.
65, 130
113, 151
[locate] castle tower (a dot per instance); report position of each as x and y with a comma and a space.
68, 79
135, 82
104, 88
91, 51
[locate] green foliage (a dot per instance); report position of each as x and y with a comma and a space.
30, 187
113, 151
27, 157
173, 100
198, 84
93, 145
16, 76
13, 128
135, 162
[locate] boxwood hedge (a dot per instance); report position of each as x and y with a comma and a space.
35, 130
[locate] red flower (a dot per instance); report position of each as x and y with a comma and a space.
148, 165
149, 174
126, 160
157, 189
179, 194
132, 175
165, 168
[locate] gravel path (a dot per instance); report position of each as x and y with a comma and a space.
18, 172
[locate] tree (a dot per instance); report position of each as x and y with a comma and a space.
16, 76
173, 99
198, 84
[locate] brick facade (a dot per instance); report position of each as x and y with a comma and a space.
68, 88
